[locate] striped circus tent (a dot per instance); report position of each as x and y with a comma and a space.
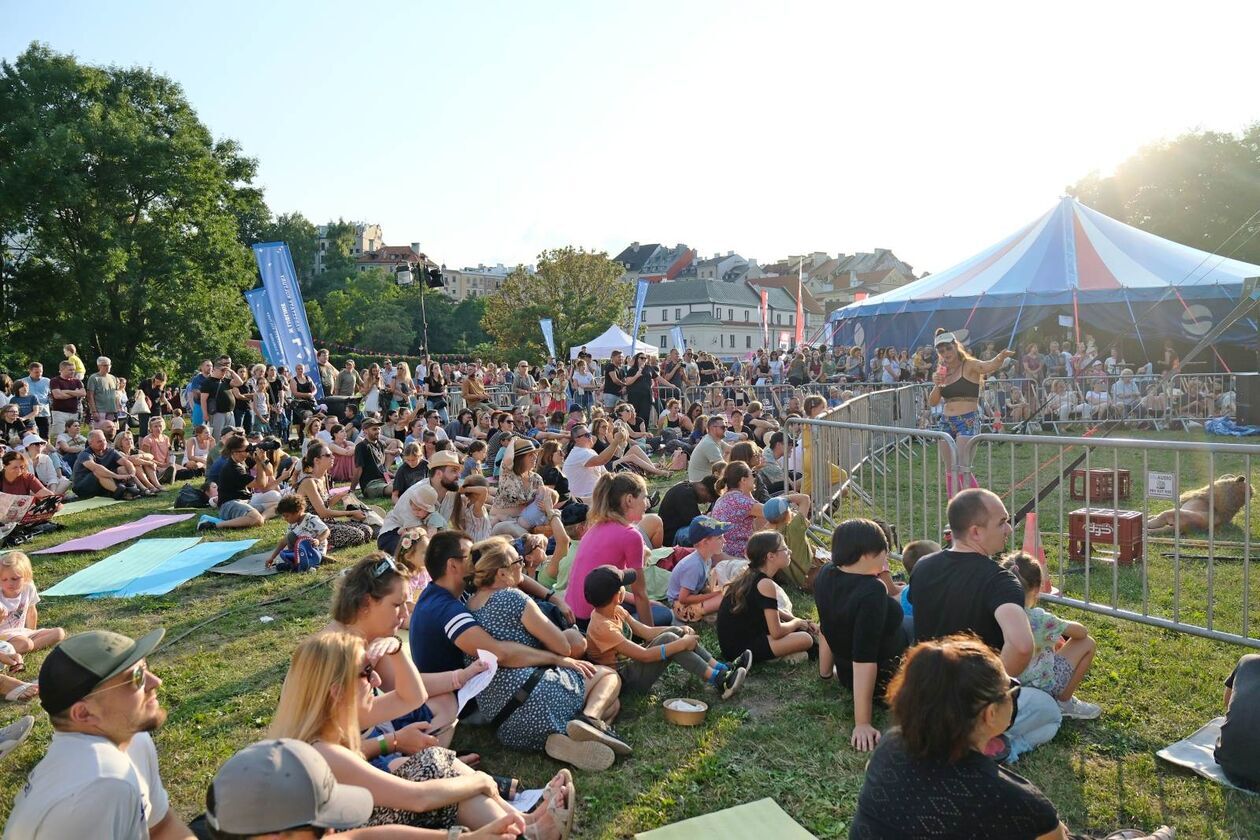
1073, 266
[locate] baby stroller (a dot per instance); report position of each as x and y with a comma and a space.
24, 518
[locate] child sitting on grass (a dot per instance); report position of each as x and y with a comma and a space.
912, 553
1060, 671
409, 557
474, 463
612, 630
302, 526
689, 593
18, 616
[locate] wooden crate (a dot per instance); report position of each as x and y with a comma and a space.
1103, 525
1102, 484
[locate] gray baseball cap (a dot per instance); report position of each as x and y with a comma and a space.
281, 784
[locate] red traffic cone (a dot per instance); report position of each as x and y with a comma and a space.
1033, 547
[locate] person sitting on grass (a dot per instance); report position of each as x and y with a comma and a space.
330, 693
689, 593
911, 553
41, 465
413, 469
235, 490
19, 619
861, 620
929, 776
750, 618
611, 633
475, 459
1055, 670
1238, 747
101, 471
737, 506
142, 464
302, 526
264, 792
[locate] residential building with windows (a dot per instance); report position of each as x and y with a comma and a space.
654, 262
470, 281
367, 238
719, 317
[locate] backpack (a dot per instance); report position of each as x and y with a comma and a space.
192, 497
303, 557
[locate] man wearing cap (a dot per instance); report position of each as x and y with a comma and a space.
369, 462
583, 466
709, 450
100, 776
443, 479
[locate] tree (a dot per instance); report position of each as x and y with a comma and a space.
302, 237
453, 327
122, 217
369, 312
1197, 189
579, 290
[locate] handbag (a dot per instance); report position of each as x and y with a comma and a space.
192, 497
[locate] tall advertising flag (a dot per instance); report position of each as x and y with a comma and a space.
800, 305
257, 300
549, 335
284, 305
765, 317
640, 297
680, 343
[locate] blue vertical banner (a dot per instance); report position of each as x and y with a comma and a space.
640, 297
258, 305
549, 335
679, 343
285, 307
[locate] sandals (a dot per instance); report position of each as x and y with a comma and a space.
23, 692
508, 787
561, 814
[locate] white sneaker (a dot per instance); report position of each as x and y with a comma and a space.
1074, 707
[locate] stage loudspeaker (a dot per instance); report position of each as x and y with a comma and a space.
1248, 393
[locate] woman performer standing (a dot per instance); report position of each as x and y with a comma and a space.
958, 380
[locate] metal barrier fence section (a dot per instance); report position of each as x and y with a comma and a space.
1118, 536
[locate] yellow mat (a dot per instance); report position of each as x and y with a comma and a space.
760, 820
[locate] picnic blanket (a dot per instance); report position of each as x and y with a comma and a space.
80, 505
752, 821
1227, 426
1197, 753
184, 566
118, 570
118, 534
250, 564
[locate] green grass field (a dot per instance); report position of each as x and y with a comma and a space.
785, 737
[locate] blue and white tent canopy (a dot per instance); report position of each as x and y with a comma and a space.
1110, 278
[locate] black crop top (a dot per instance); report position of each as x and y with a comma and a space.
962, 387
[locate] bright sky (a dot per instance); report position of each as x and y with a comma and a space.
489, 131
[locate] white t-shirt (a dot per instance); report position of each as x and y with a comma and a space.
15, 609
581, 477
87, 787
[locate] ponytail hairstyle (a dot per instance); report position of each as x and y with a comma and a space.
760, 546
608, 498
735, 472
1028, 570
314, 450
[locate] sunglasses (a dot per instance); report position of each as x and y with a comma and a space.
135, 683
384, 566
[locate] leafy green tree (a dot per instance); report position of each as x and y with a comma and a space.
370, 311
1197, 189
339, 266
302, 237
579, 290
122, 217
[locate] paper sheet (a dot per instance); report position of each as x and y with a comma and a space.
478, 684
526, 799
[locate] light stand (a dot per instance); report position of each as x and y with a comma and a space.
423, 276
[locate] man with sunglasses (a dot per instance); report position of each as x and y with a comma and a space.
100, 776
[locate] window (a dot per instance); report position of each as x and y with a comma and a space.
730, 316
677, 314
662, 342
748, 342
778, 318
721, 338
732, 342
745, 316
664, 318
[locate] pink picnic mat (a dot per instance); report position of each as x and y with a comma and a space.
118, 534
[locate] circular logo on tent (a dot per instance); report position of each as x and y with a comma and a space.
1196, 320
859, 335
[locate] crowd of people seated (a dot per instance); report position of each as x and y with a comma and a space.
528, 536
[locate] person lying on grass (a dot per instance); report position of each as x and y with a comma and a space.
750, 619
1057, 670
330, 693
611, 633
18, 616
689, 593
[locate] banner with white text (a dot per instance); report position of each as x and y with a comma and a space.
285, 307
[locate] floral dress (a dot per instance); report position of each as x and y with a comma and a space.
557, 698
736, 508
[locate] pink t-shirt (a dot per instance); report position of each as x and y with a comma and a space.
607, 544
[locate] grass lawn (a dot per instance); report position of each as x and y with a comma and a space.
785, 737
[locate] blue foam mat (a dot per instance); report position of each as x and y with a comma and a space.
118, 570
182, 567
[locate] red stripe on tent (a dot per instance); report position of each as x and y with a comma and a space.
1091, 271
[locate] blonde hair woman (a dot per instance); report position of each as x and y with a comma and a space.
326, 698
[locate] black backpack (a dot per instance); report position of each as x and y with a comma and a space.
191, 496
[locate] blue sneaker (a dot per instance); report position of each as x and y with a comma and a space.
207, 523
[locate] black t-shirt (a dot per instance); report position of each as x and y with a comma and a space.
552, 477
860, 621
678, 508
370, 458
233, 482
671, 371
740, 631
436, 386
708, 372
958, 591
219, 394
641, 387
611, 387
904, 798
1238, 749
155, 394
407, 476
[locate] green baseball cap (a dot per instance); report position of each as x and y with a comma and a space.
82, 662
